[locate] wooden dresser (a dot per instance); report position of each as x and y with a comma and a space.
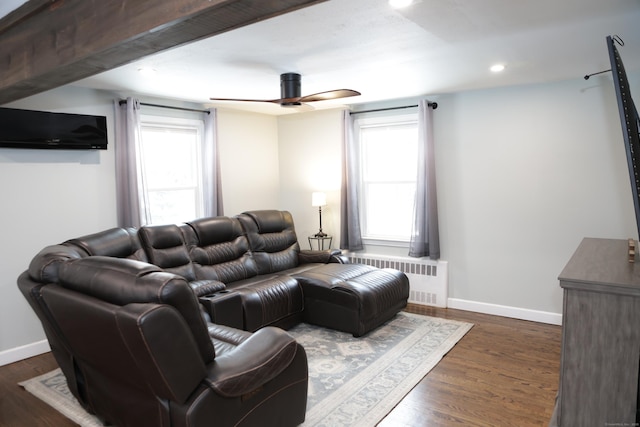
600, 337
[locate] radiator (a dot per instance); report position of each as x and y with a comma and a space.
428, 279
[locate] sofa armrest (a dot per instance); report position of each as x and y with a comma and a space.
206, 287
340, 259
254, 362
307, 256
160, 342
44, 267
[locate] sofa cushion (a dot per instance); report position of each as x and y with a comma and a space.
44, 267
271, 221
352, 297
123, 281
214, 230
255, 361
165, 247
220, 250
226, 338
115, 242
273, 300
272, 239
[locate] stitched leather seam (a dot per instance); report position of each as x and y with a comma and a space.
146, 345
267, 398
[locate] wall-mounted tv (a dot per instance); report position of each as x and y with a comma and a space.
629, 120
43, 129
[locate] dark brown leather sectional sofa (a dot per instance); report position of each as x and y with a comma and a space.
182, 325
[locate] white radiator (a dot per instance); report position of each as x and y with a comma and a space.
428, 279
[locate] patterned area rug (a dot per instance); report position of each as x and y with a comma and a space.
352, 381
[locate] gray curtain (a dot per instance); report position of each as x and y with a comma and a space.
212, 187
425, 237
129, 182
350, 233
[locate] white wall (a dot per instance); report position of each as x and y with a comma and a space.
310, 160
524, 173
48, 197
249, 155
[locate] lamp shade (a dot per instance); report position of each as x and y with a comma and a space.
318, 199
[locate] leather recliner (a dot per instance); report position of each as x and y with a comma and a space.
352, 298
141, 354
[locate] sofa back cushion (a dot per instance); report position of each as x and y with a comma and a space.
123, 281
165, 247
272, 239
115, 242
44, 267
220, 250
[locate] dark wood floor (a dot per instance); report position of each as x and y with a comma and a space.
504, 372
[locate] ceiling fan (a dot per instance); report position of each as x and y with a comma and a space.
290, 93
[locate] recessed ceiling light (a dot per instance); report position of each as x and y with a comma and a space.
147, 71
399, 4
497, 68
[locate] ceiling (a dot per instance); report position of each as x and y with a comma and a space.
9, 5
429, 48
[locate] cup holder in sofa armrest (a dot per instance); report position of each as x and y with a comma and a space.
256, 361
224, 308
206, 287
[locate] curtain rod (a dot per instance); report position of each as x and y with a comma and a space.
124, 101
433, 105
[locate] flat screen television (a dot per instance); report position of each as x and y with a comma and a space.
629, 120
42, 129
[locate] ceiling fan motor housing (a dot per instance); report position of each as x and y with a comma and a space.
290, 87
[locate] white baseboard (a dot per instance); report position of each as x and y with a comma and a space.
506, 311
24, 352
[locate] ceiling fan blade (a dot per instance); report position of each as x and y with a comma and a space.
284, 102
276, 101
290, 84
330, 94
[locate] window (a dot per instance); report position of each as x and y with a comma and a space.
388, 149
170, 158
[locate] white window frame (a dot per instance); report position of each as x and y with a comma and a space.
176, 123
378, 121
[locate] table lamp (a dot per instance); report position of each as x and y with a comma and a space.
319, 199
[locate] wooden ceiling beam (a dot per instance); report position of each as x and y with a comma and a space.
49, 43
